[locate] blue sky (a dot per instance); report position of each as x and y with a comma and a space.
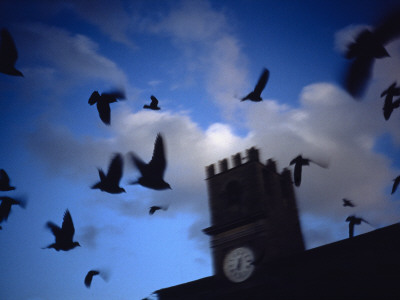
198, 58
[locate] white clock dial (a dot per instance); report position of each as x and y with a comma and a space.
238, 264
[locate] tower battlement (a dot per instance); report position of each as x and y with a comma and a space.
252, 154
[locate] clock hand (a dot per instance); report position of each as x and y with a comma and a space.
239, 265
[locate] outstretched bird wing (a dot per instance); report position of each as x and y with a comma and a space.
396, 182
4, 179
67, 228
262, 81
103, 107
295, 160
114, 173
5, 206
347, 202
154, 101
113, 96
390, 89
89, 277
55, 229
153, 209
358, 74
389, 27
94, 97
158, 162
8, 51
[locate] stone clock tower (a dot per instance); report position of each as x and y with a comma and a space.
254, 217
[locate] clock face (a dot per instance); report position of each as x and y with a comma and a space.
238, 264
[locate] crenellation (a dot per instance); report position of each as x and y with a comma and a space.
210, 170
252, 154
237, 159
271, 165
223, 165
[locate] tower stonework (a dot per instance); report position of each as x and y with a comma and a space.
251, 206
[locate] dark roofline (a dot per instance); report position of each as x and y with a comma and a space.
375, 243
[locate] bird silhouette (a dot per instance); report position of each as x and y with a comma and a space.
255, 95
396, 182
389, 105
5, 206
64, 235
353, 220
347, 202
368, 46
154, 208
89, 277
152, 174
110, 183
8, 54
5, 181
299, 162
153, 105
103, 103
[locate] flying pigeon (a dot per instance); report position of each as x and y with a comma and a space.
89, 277
110, 183
353, 220
255, 95
154, 208
347, 202
153, 105
152, 174
5, 182
103, 103
64, 235
299, 162
368, 46
5, 206
389, 105
396, 182
8, 54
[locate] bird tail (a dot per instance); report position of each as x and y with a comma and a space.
49, 246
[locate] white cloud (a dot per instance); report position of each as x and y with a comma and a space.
332, 127
328, 125
209, 48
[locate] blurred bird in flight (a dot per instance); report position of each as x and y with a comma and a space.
396, 182
5, 181
255, 95
63, 235
353, 220
299, 162
368, 46
154, 208
153, 105
8, 54
152, 174
110, 183
89, 277
5, 206
347, 202
103, 103
389, 105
